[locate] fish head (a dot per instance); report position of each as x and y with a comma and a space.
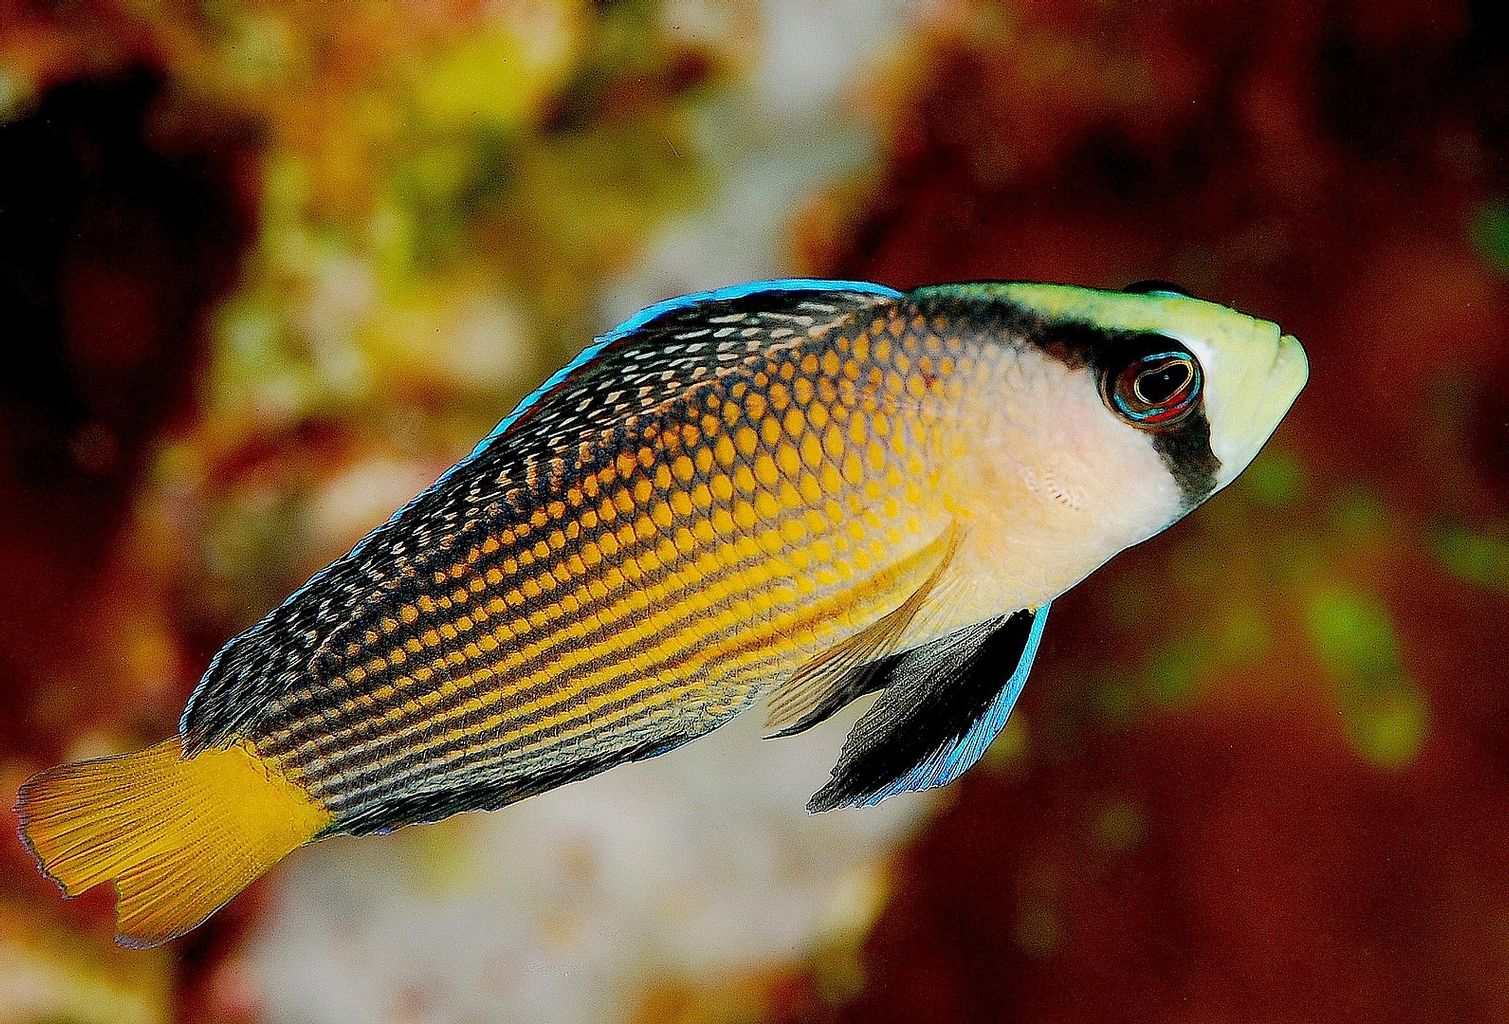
1110, 415
1206, 385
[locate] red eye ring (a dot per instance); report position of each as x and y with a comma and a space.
1156, 390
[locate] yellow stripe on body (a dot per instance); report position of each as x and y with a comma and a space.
869, 431
835, 397
521, 556
739, 551
795, 501
615, 503
873, 597
757, 573
877, 595
734, 598
698, 627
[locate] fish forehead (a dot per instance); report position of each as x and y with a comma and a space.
1178, 316
1252, 371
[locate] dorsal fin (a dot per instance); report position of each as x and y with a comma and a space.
653, 333
942, 705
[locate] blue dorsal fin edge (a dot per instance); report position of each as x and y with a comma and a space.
949, 762
659, 309
629, 326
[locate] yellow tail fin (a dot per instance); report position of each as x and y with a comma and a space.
178, 836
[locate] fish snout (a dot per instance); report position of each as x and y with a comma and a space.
1275, 373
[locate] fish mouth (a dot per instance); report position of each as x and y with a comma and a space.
1290, 373
1264, 397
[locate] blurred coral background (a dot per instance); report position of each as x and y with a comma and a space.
268, 267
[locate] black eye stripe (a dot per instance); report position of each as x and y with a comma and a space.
1179, 430
1186, 452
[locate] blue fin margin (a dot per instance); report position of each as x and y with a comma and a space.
649, 313
948, 763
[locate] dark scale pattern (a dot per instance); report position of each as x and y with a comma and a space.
301, 640
676, 447
308, 681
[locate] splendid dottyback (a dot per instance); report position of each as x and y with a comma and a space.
791, 492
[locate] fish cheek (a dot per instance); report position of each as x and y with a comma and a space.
1066, 486
1140, 495
1112, 484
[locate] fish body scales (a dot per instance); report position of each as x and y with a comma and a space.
644, 583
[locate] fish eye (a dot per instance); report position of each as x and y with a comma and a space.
1158, 385
1155, 287
1155, 389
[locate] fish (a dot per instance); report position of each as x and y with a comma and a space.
796, 492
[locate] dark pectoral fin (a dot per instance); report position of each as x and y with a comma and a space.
943, 704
